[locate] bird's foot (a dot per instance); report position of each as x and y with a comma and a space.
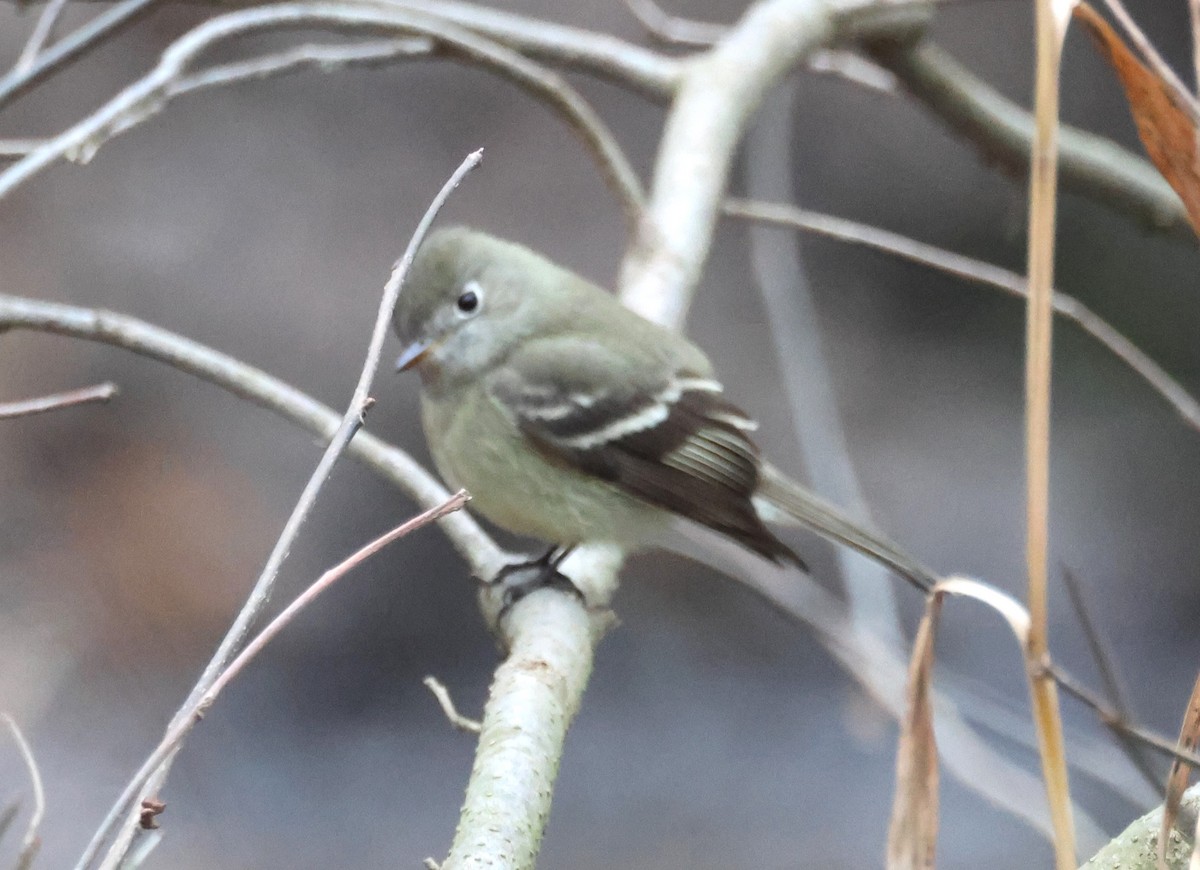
520, 578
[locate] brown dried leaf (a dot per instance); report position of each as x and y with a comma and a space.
912, 834
1166, 130
1189, 736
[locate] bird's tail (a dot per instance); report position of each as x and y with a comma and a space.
782, 501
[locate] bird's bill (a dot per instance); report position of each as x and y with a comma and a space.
413, 354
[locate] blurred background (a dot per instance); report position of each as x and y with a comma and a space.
263, 220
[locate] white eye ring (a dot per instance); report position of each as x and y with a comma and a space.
469, 300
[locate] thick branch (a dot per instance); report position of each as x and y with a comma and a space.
1135, 848
719, 91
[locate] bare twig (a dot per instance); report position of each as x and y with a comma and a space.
854, 68
1180, 92
1003, 133
718, 92
351, 422
1108, 674
325, 58
671, 29
1113, 719
28, 407
147, 95
72, 47
800, 356
442, 694
30, 842
623, 63
974, 270
197, 706
42, 33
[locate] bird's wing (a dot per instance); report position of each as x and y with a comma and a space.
658, 429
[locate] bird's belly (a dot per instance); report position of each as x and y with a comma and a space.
514, 487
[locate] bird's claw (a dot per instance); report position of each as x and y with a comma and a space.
520, 578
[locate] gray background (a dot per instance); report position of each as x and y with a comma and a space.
262, 220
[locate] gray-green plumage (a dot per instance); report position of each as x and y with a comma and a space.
570, 418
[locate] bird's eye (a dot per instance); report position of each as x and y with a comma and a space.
469, 300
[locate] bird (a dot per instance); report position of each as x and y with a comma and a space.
570, 418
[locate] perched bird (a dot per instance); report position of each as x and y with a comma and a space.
570, 418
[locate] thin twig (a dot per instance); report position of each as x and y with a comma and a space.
1179, 91
326, 58
800, 357
146, 96
623, 63
671, 29
442, 694
974, 270
854, 68
1108, 674
40, 405
72, 47
351, 421
30, 842
1112, 718
42, 33
200, 705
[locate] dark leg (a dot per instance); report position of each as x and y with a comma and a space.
521, 578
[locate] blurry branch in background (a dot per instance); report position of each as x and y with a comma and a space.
871, 604
147, 782
795, 332
72, 47
198, 705
1002, 131
30, 842
987, 274
442, 695
28, 407
1182, 95
42, 32
256, 386
673, 30
13, 148
148, 95
718, 92
1112, 685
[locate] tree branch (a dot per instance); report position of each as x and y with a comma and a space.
984, 273
146, 786
1089, 165
149, 94
717, 94
72, 47
42, 404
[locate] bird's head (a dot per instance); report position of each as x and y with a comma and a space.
468, 300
